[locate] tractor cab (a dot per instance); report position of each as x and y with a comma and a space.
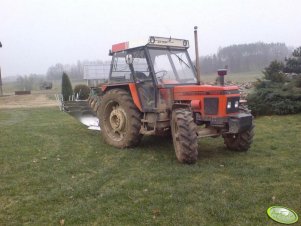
154, 67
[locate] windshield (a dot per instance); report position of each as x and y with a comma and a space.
172, 66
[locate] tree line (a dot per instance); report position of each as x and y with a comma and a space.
29, 82
54, 73
237, 58
244, 57
74, 71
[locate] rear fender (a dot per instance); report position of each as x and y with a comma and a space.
135, 96
131, 87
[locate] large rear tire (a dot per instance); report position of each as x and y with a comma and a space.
119, 119
184, 136
240, 142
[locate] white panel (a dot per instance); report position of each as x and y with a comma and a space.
137, 43
96, 71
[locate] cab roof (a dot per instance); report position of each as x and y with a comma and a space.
153, 41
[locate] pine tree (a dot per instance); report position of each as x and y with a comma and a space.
274, 72
293, 64
66, 87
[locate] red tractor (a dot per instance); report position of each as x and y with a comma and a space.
154, 89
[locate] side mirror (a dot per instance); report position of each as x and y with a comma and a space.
129, 59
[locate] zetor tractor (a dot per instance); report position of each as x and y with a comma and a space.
154, 89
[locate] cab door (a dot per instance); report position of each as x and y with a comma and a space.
143, 78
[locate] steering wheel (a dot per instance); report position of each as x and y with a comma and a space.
164, 72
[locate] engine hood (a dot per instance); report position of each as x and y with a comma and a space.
184, 92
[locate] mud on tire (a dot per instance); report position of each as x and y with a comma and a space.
119, 119
184, 136
239, 142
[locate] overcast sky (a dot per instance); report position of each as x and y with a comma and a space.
36, 34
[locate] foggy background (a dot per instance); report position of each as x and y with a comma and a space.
37, 34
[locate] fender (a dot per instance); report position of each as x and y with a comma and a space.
135, 96
128, 86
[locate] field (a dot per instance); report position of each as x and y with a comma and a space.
56, 172
10, 87
45, 99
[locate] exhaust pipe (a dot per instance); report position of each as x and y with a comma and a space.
221, 74
197, 59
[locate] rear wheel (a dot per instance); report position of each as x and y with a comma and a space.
239, 142
119, 119
184, 136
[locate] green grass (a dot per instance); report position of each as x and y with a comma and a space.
53, 168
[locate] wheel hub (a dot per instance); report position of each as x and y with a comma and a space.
117, 119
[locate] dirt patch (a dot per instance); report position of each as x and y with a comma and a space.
26, 101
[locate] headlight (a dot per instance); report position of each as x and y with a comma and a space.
229, 105
232, 104
236, 104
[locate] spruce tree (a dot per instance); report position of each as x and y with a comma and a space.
66, 87
293, 64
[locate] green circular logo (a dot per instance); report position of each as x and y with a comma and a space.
282, 214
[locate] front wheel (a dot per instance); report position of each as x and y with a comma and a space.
184, 136
241, 141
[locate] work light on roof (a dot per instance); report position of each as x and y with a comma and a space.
152, 39
153, 42
172, 42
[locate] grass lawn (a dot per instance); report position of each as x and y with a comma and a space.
52, 170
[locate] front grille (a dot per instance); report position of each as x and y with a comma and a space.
211, 106
232, 100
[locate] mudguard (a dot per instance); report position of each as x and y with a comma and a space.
130, 86
240, 122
